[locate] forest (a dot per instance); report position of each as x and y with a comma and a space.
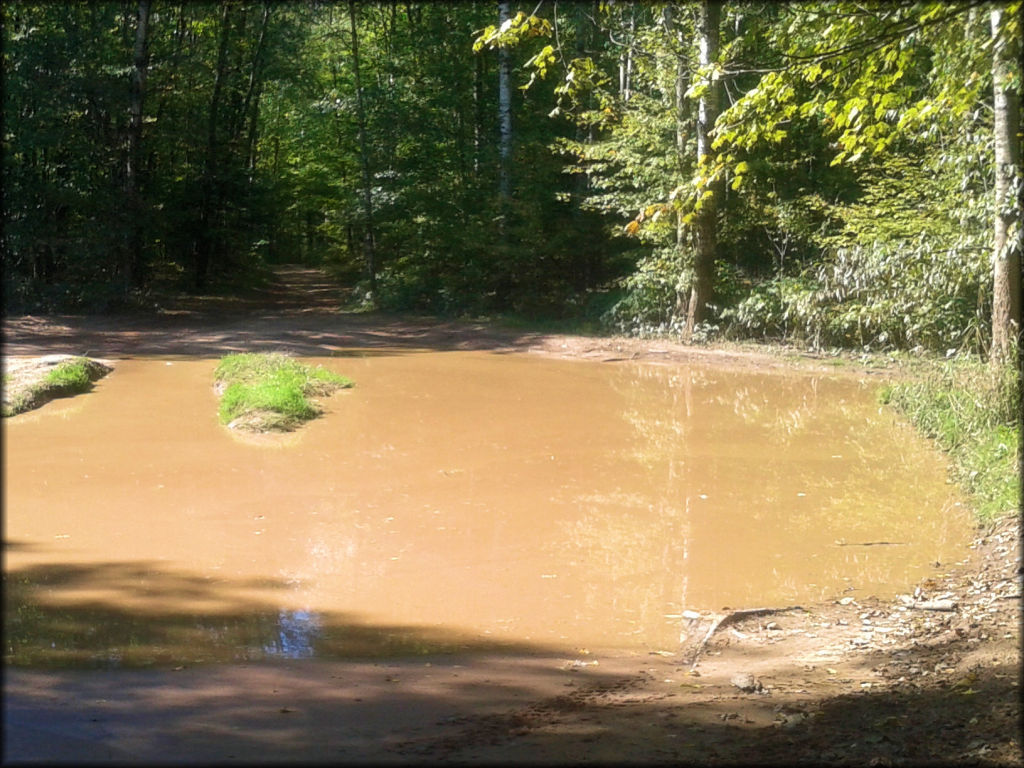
834, 174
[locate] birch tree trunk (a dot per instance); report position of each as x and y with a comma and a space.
709, 19
504, 113
364, 160
626, 60
675, 34
478, 112
1007, 240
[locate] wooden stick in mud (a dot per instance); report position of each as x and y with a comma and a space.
935, 605
728, 618
871, 544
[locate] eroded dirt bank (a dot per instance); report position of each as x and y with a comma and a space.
855, 681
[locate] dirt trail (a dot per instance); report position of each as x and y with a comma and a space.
859, 681
299, 313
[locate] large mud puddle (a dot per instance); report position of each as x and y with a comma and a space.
454, 501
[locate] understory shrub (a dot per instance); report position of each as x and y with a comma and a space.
893, 295
648, 304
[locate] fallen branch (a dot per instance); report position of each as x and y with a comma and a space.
722, 620
871, 544
935, 605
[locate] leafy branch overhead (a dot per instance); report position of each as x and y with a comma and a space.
512, 32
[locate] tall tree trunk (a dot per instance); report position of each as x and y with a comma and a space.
364, 160
204, 241
213, 117
478, 112
250, 106
504, 113
583, 261
626, 60
709, 19
460, 109
131, 269
252, 141
675, 35
1008, 240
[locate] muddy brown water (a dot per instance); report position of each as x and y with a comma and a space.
454, 501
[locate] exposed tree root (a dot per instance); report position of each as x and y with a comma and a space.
723, 619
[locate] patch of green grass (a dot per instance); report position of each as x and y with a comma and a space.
72, 376
973, 411
271, 391
69, 377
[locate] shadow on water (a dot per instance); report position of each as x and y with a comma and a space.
308, 711
21, 546
133, 614
130, 677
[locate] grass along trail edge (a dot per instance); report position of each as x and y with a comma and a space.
973, 412
30, 383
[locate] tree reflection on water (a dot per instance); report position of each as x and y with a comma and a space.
297, 632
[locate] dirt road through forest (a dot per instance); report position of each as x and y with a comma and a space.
299, 314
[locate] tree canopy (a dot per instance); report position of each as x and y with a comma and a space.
839, 173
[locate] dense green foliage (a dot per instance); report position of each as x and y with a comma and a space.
251, 156
272, 391
851, 172
974, 412
854, 166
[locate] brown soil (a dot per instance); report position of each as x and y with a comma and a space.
859, 681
